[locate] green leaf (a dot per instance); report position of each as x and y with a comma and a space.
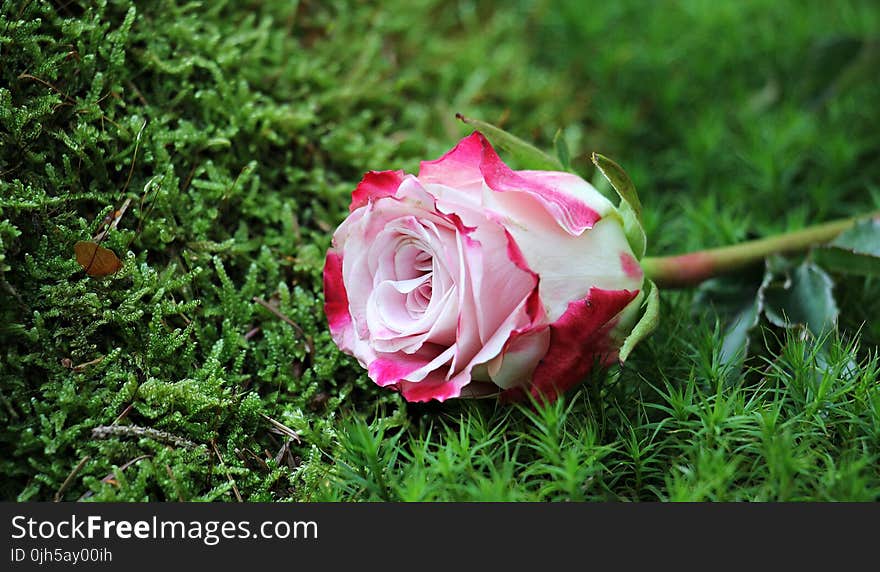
739, 300
562, 150
804, 299
527, 156
856, 251
630, 207
646, 324
863, 238
620, 181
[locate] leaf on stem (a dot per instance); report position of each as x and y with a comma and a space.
526, 155
856, 251
739, 301
806, 299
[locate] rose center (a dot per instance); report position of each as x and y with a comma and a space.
417, 300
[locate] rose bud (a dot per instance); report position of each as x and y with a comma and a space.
472, 279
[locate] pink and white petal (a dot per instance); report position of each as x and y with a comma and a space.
458, 168
391, 325
464, 205
498, 277
434, 387
569, 266
572, 186
391, 369
336, 307
374, 186
520, 320
335, 295
356, 271
571, 201
631, 266
387, 316
348, 227
579, 339
417, 194
516, 364
436, 327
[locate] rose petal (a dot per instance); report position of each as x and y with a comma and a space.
374, 186
572, 202
459, 168
516, 364
393, 369
569, 266
631, 266
577, 340
435, 386
337, 309
335, 296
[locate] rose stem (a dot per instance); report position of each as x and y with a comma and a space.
684, 270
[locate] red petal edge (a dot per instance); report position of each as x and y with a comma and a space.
335, 296
458, 166
571, 213
578, 339
375, 185
433, 387
385, 371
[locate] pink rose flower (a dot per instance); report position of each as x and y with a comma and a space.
472, 279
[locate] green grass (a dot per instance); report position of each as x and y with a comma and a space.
238, 130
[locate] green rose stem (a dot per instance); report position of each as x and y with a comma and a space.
685, 270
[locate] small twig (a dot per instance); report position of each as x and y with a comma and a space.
226, 470
143, 215
284, 450
282, 429
70, 477
251, 333
107, 431
137, 145
189, 177
250, 458
11, 169
285, 319
138, 94
109, 477
83, 366
123, 415
115, 217
47, 84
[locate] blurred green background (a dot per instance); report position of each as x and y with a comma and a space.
238, 130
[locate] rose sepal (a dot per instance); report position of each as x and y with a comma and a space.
650, 307
630, 207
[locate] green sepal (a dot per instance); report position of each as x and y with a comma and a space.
646, 324
527, 156
630, 207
